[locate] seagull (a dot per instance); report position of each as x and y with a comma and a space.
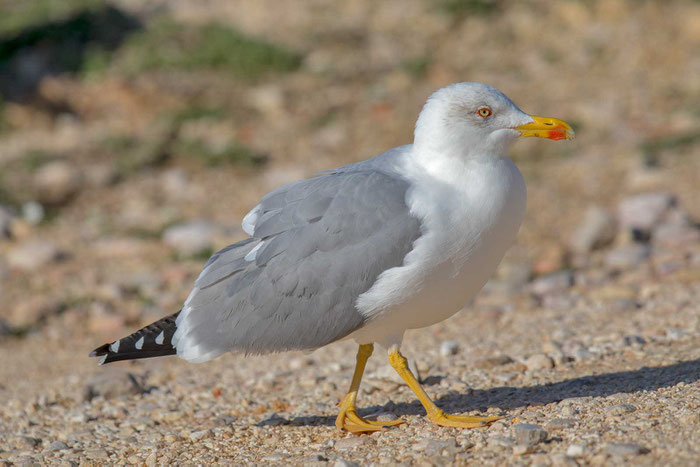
366, 251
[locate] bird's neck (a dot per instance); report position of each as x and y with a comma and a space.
450, 164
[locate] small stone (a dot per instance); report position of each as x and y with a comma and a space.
274, 457
575, 450
626, 449
433, 447
5, 222
529, 434
596, 230
491, 362
554, 282
111, 383
643, 212
553, 259
57, 446
539, 362
190, 238
448, 348
382, 417
521, 450
345, 463
560, 423
620, 409
200, 435
674, 235
33, 254
152, 459
626, 257
56, 182
32, 212
353, 442
5, 328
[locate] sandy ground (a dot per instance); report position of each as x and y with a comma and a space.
589, 334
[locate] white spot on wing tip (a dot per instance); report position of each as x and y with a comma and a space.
139, 343
249, 220
159, 339
114, 347
253, 253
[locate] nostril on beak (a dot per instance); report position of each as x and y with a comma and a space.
549, 123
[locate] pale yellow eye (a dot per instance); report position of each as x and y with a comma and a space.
484, 112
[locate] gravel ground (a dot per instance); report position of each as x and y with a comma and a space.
586, 342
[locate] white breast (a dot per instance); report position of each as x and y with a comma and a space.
471, 214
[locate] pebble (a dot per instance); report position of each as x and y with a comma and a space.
345, 463
382, 417
554, 282
626, 257
353, 442
539, 362
5, 222
620, 409
33, 254
448, 348
626, 449
575, 450
529, 434
596, 230
57, 446
644, 211
432, 447
675, 236
522, 449
190, 238
492, 362
5, 328
200, 435
57, 181
560, 423
33, 212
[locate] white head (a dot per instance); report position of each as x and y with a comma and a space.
476, 119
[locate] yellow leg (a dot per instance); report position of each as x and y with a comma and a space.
435, 414
348, 419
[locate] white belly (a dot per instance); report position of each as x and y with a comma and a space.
469, 223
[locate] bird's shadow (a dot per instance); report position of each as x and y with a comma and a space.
509, 397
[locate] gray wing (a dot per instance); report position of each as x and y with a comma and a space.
316, 246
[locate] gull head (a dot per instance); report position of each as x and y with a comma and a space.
466, 119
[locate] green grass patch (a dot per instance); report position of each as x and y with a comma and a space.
468, 7
232, 153
416, 66
195, 112
166, 44
653, 148
20, 14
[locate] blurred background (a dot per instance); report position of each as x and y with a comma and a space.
134, 135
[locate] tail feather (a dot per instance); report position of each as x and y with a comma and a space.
154, 340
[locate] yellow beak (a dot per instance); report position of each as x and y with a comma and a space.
546, 127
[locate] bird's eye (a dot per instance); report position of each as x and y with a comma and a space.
484, 112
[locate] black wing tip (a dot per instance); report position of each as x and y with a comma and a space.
100, 351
